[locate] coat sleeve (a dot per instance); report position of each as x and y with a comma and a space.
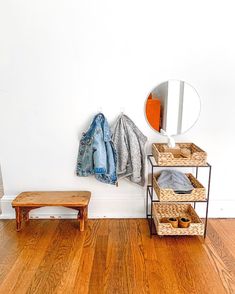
99, 152
120, 144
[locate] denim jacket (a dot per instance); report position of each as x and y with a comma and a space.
97, 154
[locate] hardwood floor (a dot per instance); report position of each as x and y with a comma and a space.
114, 256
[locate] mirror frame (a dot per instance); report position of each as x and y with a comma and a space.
198, 116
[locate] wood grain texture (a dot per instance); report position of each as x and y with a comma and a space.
27, 201
114, 256
52, 198
221, 251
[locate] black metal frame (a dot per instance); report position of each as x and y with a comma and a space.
150, 191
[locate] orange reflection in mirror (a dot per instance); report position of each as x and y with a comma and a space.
153, 112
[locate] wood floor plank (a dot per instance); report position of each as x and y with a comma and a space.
4, 224
68, 280
8, 238
83, 273
112, 280
138, 259
159, 270
221, 258
96, 282
24, 268
12, 246
114, 256
168, 281
198, 262
131, 269
225, 229
55, 262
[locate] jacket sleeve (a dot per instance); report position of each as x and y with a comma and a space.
120, 144
137, 154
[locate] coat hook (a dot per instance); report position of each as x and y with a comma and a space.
122, 110
99, 109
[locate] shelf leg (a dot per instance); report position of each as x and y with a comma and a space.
151, 225
147, 196
207, 204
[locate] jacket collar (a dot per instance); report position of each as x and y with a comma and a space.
100, 119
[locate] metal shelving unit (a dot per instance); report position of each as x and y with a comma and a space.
150, 193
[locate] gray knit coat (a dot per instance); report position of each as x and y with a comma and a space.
129, 143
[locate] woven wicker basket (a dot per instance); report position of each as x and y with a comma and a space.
198, 193
197, 158
176, 210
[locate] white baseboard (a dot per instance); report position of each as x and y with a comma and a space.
127, 206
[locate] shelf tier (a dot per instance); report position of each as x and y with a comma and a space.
150, 189
151, 158
157, 200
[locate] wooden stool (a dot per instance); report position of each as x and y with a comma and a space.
27, 201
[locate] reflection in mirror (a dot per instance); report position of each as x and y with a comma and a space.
173, 106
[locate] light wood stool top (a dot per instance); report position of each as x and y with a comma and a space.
27, 201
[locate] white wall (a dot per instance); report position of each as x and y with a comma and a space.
60, 61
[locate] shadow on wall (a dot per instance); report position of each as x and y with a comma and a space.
1, 188
1, 184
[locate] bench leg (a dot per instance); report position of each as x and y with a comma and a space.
18, 218
81, 218
86, 214
26, 214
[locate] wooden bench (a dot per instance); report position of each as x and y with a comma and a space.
27, 201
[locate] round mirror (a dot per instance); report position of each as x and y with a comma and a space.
172, 107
